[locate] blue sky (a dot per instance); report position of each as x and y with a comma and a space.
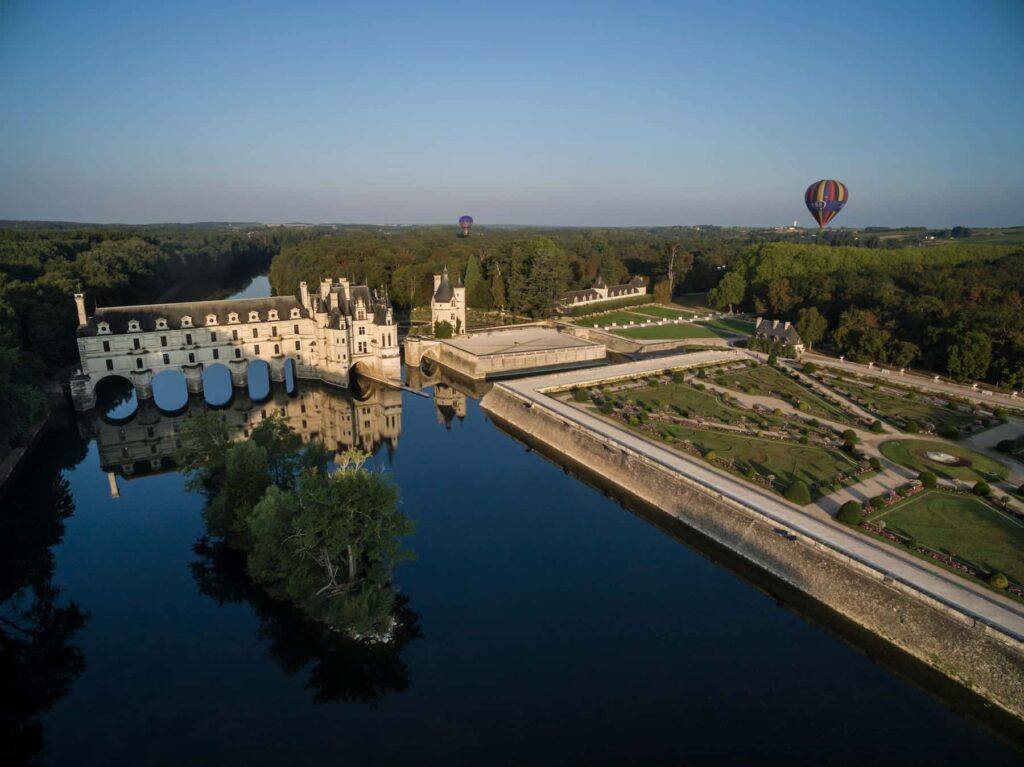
588, 113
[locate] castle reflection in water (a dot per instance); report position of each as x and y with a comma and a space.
365, 418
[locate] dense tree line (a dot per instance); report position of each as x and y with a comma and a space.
40, 269
956, 309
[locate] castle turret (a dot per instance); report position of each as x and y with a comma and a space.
448, 304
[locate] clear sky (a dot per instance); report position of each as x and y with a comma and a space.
587, 113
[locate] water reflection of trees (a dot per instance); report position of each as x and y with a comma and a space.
340, 667
38, 657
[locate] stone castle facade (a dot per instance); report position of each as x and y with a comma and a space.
602, 291
325, 334
448, 303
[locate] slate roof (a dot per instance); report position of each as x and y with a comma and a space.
444, 292
118, 317
778, 331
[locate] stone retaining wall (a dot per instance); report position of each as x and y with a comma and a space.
976, 655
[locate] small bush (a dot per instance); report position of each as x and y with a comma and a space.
1001, 414
849, 446
678, 377
702, 373
928, 479
810, 367
814, 423
1005, 445
912, 427
850, 435
998, 580
580, 395
607, 408
878, 502
851, 513
803, 439
711, 455
749, 473
877, 427
982, 488
798, 492
773, 360
949, 432
874, 463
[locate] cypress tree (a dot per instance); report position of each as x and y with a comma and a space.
478, 293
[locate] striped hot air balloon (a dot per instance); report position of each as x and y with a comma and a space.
825, 199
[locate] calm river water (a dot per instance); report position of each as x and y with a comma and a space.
554, 626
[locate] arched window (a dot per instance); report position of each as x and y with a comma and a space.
238, 354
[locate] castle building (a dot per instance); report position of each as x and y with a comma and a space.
601, 291
448, 304
324, 335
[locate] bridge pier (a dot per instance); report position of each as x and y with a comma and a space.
277, 369
239, 373
193, 377
83, 393
142, 380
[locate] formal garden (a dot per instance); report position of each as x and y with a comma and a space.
790, 453
969, 531
769, 381
910, 410
652, 322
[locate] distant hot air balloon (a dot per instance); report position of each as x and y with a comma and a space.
466, 223
825, 199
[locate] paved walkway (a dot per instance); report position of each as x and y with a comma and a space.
975, 601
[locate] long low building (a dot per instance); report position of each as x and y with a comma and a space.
323, 335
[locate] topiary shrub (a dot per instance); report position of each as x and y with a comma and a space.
949, 432
607, 408
849, 446
850, 435
981, 488
877, 427
798, 492
878, 502
814, 423
804, 439
580, 395
874, 463
773, 360
1001, 414
912, 427
678, 377
810, 367
928, 479
998, 580
851, 513
711, 455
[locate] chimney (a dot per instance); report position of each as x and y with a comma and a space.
304, 294
80, 305
437, 281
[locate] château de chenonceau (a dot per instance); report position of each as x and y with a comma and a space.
323, 336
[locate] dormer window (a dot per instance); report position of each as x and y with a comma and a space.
272, 314
295, 314
102, 327
211, 319
254, 316
161, 323
133, 326
233, 317
186, 321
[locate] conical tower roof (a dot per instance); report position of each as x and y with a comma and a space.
444, 292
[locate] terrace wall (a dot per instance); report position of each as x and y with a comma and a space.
976, 655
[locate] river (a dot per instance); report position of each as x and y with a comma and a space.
546, 623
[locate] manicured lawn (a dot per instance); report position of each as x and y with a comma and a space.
787, 461
683, 330
621, 317
665, 312
766, 381
912, 454
962, 525
895, 404
731, 326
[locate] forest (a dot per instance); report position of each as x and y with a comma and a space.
955, 309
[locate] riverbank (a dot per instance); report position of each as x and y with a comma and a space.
971, 639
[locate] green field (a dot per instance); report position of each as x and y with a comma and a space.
911, 453
731, 325
895, 405
651, 332
620, 317
766, 381
786, 460
962, 525
664, 312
